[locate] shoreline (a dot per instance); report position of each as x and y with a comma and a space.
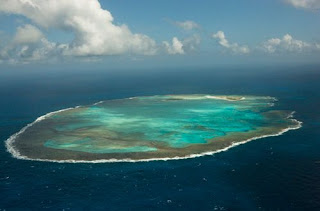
16, 154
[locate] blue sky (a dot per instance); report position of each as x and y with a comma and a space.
246, 20
158, 33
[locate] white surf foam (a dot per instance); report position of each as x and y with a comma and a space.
98, 103
9, 142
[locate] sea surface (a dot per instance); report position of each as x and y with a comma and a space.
274, 173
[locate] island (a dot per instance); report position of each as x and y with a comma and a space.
147, 128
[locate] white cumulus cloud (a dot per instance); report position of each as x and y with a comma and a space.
306, 4
183, 46
234, 47
27, 34
94, 31
176, 47
288, 44
29, 44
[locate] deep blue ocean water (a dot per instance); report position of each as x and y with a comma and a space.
275, 173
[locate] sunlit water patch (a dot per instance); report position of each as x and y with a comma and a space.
150, 128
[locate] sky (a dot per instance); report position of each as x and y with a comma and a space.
154, 34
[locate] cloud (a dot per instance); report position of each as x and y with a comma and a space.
29, 44
27, 34
191, 43
234, 47
305, 4
187, 25
287, 44
94, 32
175, 48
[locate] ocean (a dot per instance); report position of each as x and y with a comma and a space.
274, 173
